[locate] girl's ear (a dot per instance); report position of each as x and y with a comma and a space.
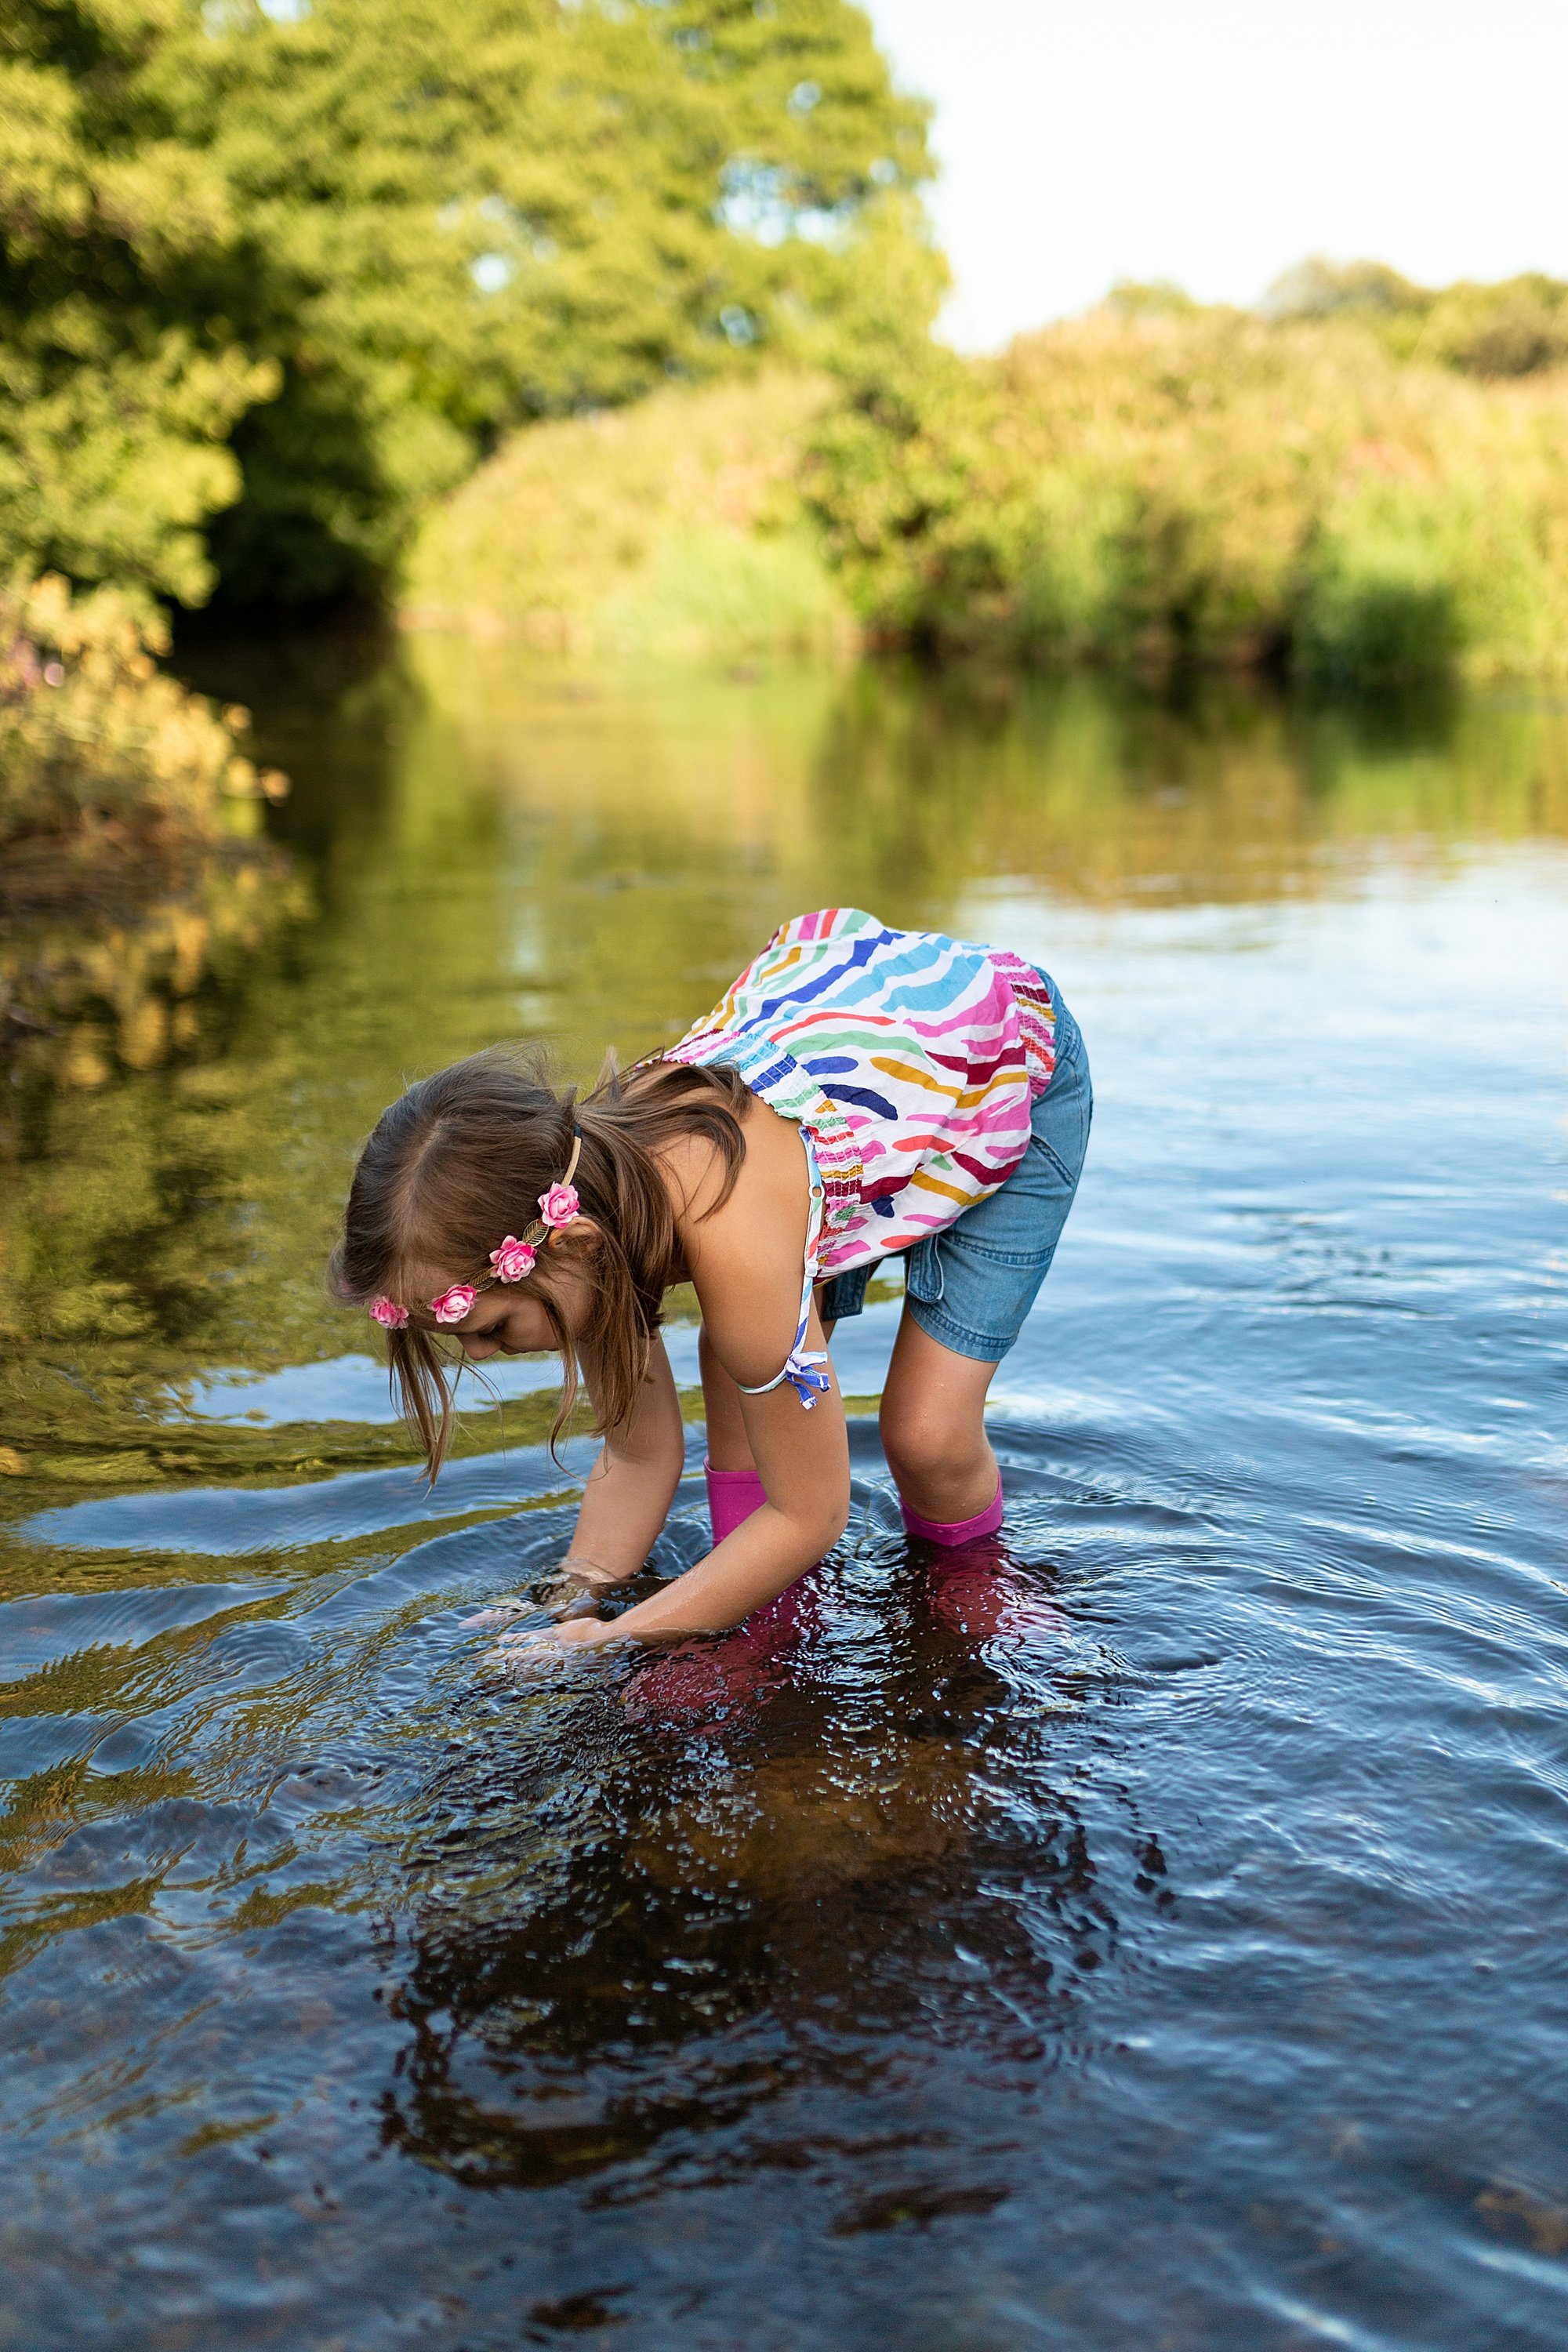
575, 1243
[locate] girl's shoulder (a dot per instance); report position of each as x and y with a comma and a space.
696, 1171
744, 1249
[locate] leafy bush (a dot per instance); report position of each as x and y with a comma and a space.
96, 743
122, 886
1208, 488
1515, 326
118, 391
671, 528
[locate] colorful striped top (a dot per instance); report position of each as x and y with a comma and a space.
913, 1062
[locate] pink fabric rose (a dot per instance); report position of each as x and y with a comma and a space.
559, 1205
513, 1259
454, 1304
388, 1314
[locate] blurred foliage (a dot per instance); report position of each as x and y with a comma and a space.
459, 218
675, 527
1158, 483
118, 390
280, 277
1178, 485
98, 747
1515, 326
125, 808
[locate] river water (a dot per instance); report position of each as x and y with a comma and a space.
1157, 1938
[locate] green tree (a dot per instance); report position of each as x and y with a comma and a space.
1516, 327
461, 217
116, 398
296, 267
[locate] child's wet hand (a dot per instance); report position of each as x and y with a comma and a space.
570, 1590
538, 1652
501, 1613
527, 1657
575, 1589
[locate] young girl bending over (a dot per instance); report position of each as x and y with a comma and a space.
859, 1093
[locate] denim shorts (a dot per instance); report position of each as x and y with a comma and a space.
971, 1285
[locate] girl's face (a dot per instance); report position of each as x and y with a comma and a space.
509, 1319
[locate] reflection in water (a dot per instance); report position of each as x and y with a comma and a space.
869, 1831
88, 990
1148, 1931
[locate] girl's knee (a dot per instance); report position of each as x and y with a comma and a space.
919, 1438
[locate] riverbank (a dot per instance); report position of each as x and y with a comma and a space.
132, 860
1185, 490
673, 530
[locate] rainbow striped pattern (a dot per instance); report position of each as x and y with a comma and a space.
913, 1062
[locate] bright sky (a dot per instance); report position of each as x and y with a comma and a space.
1217, 141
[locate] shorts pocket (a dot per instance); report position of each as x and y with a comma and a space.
1069, 1176
1062, 1132
922, 1273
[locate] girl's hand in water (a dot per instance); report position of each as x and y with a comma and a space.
571, 1590
576, 1588
538, 1652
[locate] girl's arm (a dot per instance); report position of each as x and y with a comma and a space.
804, 1462
632, 1485
746, 1260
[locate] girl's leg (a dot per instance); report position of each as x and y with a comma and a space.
729, 1448
933, 1428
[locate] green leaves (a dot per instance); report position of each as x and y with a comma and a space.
1201, 488
115, 401
315, 263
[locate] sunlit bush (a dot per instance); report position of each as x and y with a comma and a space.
123, 885
1205, 487
97, 744
674, 528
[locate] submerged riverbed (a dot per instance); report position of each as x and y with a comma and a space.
1156, 1940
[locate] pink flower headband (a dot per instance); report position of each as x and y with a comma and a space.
516, 1257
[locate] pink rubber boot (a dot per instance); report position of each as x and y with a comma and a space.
720, 1681
951, 1534
981, 1596
716, 1679
732, 1497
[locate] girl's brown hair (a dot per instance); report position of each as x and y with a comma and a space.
460, 1160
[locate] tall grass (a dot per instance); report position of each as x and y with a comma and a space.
1207, 488
1155, 487
671, 530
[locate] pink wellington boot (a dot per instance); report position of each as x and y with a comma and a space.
972, 1591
